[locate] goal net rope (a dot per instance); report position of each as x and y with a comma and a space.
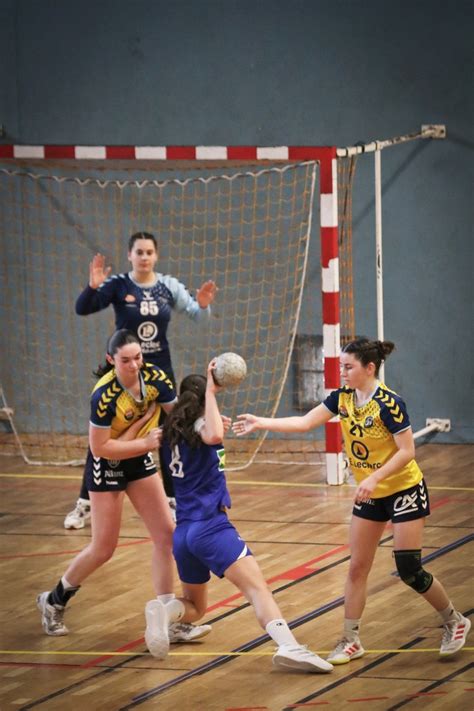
248, 229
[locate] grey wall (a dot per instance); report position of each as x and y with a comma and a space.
270, 72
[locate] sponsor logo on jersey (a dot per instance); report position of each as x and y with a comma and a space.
147, 294
153, 347
359, 450
363, 465
343, 411
221, 456
356, 431
130, 298
147, 331
369, 502
369, 421
128, 415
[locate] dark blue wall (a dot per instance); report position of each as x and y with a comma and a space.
273, 72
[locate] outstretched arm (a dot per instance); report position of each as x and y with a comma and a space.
91, 300
314, 418
98, 272
206, 294
212, 432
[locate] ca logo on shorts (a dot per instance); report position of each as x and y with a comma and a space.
113, 463
405, 504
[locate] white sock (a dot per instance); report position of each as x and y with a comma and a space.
280, 632
175, 610
449, 614
351, 628
67, 585
166, 597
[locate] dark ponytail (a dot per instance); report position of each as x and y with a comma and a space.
179, 424
368, 351
116, 341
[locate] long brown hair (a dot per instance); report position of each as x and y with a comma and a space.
179, 423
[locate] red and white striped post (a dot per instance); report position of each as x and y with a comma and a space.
327, 158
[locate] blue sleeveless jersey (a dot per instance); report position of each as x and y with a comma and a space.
199, 480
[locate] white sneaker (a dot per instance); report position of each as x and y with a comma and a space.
345, 650
51, 616
454, 636
186, 632
79, 516
290, 656
172, 505
156, 633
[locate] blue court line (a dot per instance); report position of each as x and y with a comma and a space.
295, 623
213, 664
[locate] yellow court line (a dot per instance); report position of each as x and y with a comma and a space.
242, 482
20, 652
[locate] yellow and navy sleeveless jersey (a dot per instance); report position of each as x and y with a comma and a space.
368, 436
113, 406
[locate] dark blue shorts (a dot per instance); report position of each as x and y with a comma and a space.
209, 545
406, 505
115, 474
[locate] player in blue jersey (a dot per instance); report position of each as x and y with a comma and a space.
379, 445
143, 301
204, 539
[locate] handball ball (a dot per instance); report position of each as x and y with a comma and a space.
230, 369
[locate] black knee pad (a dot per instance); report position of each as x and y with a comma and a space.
411, 571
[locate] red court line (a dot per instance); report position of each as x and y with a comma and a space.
225, 602
292, 574
299, 571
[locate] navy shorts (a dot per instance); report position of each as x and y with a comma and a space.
406, 505
115, 474
209, 545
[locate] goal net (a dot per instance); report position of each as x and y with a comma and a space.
246, 227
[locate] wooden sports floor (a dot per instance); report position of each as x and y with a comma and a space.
298, 528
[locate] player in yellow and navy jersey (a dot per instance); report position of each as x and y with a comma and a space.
125, 405
390, 487
143, 301
114, 409
368, 436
